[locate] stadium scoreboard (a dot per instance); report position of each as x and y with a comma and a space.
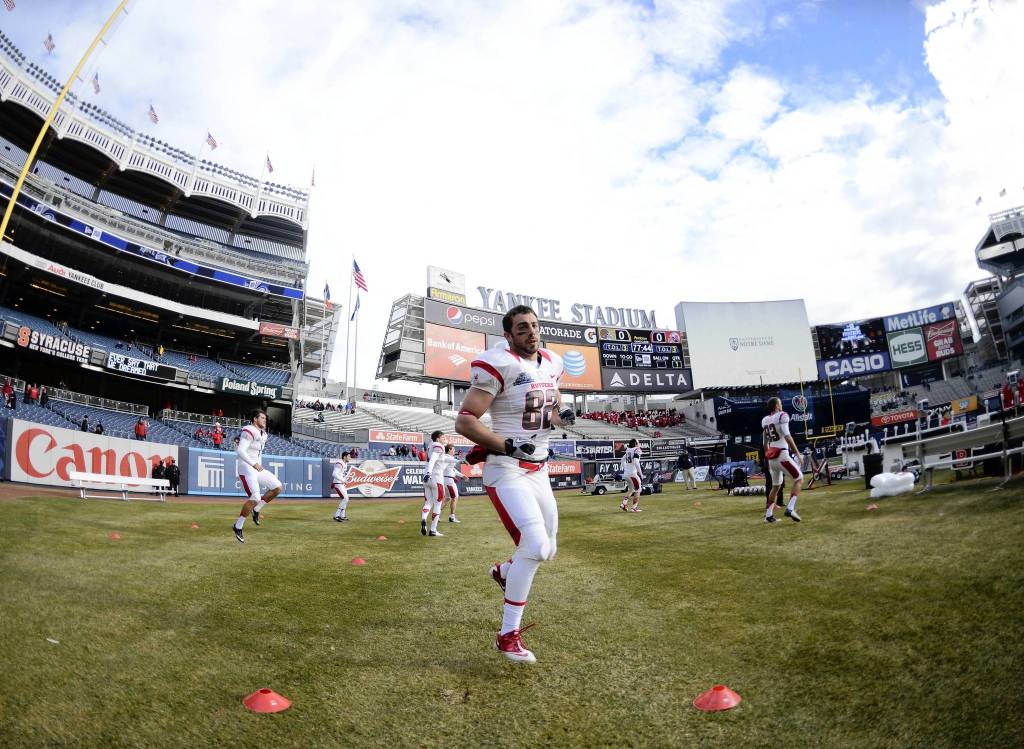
623, 348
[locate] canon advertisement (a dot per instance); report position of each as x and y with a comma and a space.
41, 454
141, 367
747, 343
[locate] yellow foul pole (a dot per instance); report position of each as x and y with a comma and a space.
53, 113
833, 404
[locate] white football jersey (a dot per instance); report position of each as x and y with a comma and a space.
340, 473
435, 462
630, 463
449, 466
525, 393
251, 442
776, 429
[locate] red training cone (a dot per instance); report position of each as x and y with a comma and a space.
195, 525
719, 697
358, 561
382, 538
115, 536
696, 504
266, 701
872, 506
401, 522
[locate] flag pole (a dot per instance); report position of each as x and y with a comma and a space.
348, 324
53, 113
355, 350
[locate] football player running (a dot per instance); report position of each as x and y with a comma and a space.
254, 477
519, 386
780, 450
433, 485
633, 474
339, 477
451, 485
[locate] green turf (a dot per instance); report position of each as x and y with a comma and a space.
900, 627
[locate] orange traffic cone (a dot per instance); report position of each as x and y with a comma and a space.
266, 701
719, 697
358, 561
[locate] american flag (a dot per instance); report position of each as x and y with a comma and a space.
152, 115
210, 140
357, 276
49, 43
96, 82
327, 296
355, 309
9, 4
270, 167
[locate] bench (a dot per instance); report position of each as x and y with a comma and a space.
121, 484
938, 452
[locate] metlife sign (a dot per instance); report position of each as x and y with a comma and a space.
854, 366
919, 317
465, 318
646, 380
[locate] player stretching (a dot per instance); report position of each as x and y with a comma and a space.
339, 478
780, 449
451, 486
433, 485
255, 478
633, 474
519, 386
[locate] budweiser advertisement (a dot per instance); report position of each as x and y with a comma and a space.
42, 454
896, 417
396, 438
277, 330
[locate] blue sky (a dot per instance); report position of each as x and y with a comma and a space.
747, 140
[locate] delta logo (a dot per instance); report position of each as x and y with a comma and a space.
454, 315
372, 478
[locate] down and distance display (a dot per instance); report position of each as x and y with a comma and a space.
640, 349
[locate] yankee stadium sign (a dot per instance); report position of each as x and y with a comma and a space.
497, 300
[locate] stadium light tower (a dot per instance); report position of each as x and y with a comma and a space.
53, 113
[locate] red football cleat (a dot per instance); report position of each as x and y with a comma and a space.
511, 646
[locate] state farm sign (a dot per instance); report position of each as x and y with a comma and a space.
396, 438
46, 455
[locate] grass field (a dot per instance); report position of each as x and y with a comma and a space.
895, 628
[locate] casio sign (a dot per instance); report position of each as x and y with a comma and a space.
855, 365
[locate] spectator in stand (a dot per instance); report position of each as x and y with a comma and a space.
8, 388
85, 423
34, 392
158, 473
319, 418
218, 436
173, 474
141, 429
99, 428
28, 393
355, 454
11, 401
391, 452
44, 397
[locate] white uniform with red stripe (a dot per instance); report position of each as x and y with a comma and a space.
339, 477
449, 476
776, 428
630, 466
433, 476
525, 393
251, 442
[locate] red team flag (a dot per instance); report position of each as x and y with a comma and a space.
357, 276
152, 115
210, 140
270, 167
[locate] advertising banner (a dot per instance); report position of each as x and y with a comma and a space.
853, 366
562, 332
646, 380
747, 343
921, 375
562, 447
943, 340
667, 448
907, 348
215, 473
237, 386
609, 467
397, 438
582, 367
919, 317
375, 478
446, 296
53, 345
964, 405
276, 330
43, 454
594, 449
896, 417
464, 318
619, 447
449, 351
141, 367
446, 280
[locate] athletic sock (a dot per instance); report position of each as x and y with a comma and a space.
259, 506
433, 521
518, 581
792, 503
424, 512
512, 616
240, 522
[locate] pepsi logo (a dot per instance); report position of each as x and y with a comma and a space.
454, 315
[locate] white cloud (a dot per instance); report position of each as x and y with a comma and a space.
590, 151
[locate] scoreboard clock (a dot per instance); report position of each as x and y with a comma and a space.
623, 348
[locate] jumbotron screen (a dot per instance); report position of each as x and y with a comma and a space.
852, 338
